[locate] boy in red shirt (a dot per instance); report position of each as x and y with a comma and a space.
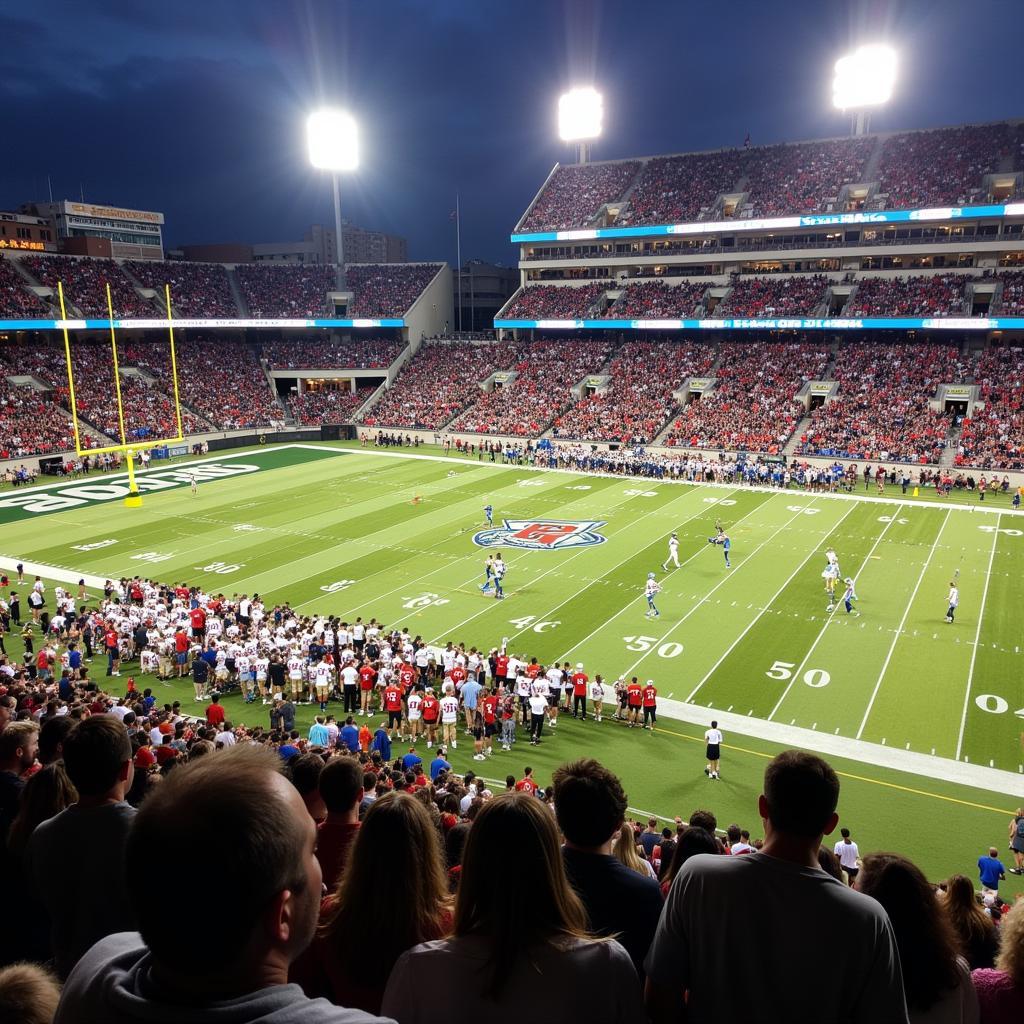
634, 701
579, 692
393, 706
526, 783
431, 709
650, 705
367, 676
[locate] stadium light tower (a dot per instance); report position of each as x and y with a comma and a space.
580, 119
333, 140
864, 79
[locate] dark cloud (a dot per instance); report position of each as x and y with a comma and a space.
197, 108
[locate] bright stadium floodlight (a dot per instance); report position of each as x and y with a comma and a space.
333, 140
864, 79
580, 118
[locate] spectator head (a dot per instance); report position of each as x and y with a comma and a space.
343, 784
800, 796
829, 863
517, 827
98, 757
52, 734
28, 994
703, 819
47, 793
230, 807
19, 743
993, 852
1011, 947
924, 935
845, 833
732, 833
589, 802
691, 842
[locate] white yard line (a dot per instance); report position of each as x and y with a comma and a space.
51, 572
721, 583
977, 636
810, 650
770, 602
899, 629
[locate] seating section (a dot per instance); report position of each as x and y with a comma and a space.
554, 302
656, 300
774, 296
993, 438
1011, 303
882, 409
674, 189
16, 301
638, 400
933, 295
440, 380
85, 281
575, 194
387, 289
292, 292
752, 406
943, 167
322, 354
546, 371
313, 408
31, 423
197, 289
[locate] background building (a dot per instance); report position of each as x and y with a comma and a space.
88, 229
26, 232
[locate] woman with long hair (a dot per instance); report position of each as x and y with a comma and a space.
693, 841
975, 931
392, 895
936, 979
1001, 991
515, 954
45, 794
625, 850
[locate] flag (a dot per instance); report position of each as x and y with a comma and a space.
746, 141
453, 215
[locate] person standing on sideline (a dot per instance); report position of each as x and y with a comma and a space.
1017, 841
953, 600
713, 739
538, 712
193, 483
848, 854
673, 553
991, 870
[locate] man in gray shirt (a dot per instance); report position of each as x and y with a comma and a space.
231, 808
85, 904
801, 917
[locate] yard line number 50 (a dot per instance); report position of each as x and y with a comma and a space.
782, 670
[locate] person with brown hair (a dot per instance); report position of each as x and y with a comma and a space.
783, 888
342, 790
691, 842
392, 895
232, 808
19, 743
1001, 991
510, 959
28, 994
936, 979
45, 794
977, 935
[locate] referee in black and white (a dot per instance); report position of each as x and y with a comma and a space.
713, 738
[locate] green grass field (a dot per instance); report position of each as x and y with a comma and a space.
923, 718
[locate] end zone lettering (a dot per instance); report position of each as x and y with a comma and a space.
160, 480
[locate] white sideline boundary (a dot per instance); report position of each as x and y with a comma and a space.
910, 762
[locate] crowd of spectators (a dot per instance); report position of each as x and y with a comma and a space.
638, 399
656, 300
546, 371
17, 302
799, 295
84, 280
882, 409
31, 423
292, 292
197, 289
993, 436
323, 352
942, 167
575, 194
1011, 301
752, 406
387, 289
438, 382
924, 295
554, 302
312, 408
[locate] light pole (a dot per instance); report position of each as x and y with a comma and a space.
864, 79
580, 119
333, 140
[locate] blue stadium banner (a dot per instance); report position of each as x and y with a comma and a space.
855, 218
871, 323
208, 324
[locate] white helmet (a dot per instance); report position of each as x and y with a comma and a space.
650, 575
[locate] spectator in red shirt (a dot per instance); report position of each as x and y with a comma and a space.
341, 789
215, 713
197, 618
579, 692
526, 783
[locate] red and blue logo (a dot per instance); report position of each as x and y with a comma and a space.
541, 534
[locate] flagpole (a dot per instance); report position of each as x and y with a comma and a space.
458, 256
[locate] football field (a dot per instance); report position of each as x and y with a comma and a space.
397, 536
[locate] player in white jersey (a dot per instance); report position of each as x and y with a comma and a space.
597, 696
450, 720
323, 674
651, 591
673, 553
831, 576
193, 483
554, 675
414, 714
262, 666
295, 675
243, 666
953, 600
849, 596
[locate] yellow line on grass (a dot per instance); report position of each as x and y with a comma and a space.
850, 775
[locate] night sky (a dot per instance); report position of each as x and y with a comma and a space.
197, 108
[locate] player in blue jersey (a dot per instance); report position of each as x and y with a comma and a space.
723, 539
489, 514
651, 591
849, 596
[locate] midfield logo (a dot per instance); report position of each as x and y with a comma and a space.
541, 534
